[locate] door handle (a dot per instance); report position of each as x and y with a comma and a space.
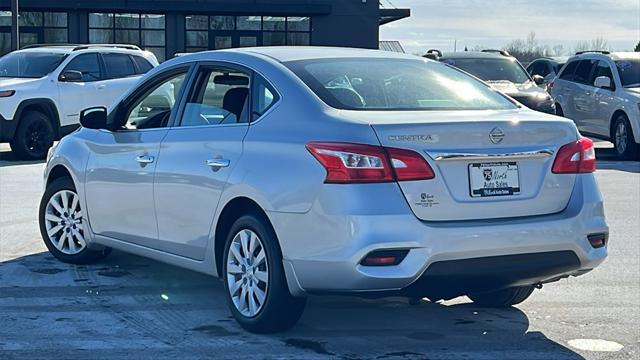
100, 87
218, 163
145, 159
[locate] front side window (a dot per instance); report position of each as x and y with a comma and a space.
602, 69
629, 70
118, 66
153, 110
143, 64
383, 84
221, 96
492, 69
29, 64
88, 65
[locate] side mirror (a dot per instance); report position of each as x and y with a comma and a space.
538, 79
94, 118
71, 76
603, 82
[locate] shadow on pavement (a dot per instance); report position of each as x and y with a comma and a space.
131, 307
7, 158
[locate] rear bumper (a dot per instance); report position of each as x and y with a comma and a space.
7, 129
323, 248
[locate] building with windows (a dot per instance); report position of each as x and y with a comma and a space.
166, 27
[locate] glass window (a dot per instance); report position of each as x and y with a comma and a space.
88, 65
5, 18
127, 21
222, 42
29, 64
629, 70
55, 36
298, 39
249, 22
223, 22
274, 38
196, 22
100, 20
263, 97
30, 18
153, 38
567, 73
5, 43
583, 71
222, 97
55, 19
296, 23
247, 41
383, 84
198, 39
118, 66
100, 36
274, 23
128, 37
152, 21
143, 65
492, 69
154, 109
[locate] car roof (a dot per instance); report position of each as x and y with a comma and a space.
68, 49
603, 55
295, 53
474, 55
49, 50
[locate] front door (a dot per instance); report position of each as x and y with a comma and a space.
198, 155
120, 173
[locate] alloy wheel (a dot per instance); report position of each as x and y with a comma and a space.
621, 137
63, 221
36, 138
247, 273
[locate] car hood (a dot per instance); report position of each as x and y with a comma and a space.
509, 88
6, 83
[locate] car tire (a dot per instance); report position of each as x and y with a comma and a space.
62, 224
623, 139
559, 111
254, 279
34, 136
502, 298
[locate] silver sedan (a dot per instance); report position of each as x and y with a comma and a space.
292, 171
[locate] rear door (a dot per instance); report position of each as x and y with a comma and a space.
121, 74
485, 169
583, 100
198, 155
603, 100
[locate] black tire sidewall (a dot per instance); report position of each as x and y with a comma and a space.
85, 256
276, 314
19, 143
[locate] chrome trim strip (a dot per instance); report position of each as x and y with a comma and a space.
534, 154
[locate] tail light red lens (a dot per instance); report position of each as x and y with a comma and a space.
575, 158
358, 163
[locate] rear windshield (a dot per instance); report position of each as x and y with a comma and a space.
629, 70
492, 69
395, 84
29, 64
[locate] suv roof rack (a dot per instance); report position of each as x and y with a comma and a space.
604, 52
35, 46
433, 54
496, 51
116, 46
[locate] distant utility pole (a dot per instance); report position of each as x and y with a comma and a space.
15, 33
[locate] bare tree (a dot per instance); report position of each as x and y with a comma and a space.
598, 43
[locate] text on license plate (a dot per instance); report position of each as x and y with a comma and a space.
494, 179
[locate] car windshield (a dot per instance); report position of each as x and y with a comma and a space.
492, 69
629, 70
395, 84
29, 64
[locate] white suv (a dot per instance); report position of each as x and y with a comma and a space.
600, 91
43, 89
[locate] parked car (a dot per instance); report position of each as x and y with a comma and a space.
600, 91
504, 73
547, 67
43, 89
293, 171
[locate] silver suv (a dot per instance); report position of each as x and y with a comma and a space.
600, 91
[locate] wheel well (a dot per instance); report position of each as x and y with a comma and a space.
43, 106
613, 118
58, 172
231, 212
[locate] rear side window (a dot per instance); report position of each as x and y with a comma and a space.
263, 97
567, 73
583, 71
602, 69
88, 65
118, 66
143, 65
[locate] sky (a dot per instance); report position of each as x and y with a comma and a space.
494, 23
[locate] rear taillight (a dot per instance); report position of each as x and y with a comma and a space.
575, 158
357, 163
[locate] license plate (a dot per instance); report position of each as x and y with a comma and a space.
494, 179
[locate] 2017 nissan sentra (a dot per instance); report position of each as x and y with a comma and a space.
295, 171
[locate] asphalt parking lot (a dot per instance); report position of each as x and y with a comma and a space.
131, 307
